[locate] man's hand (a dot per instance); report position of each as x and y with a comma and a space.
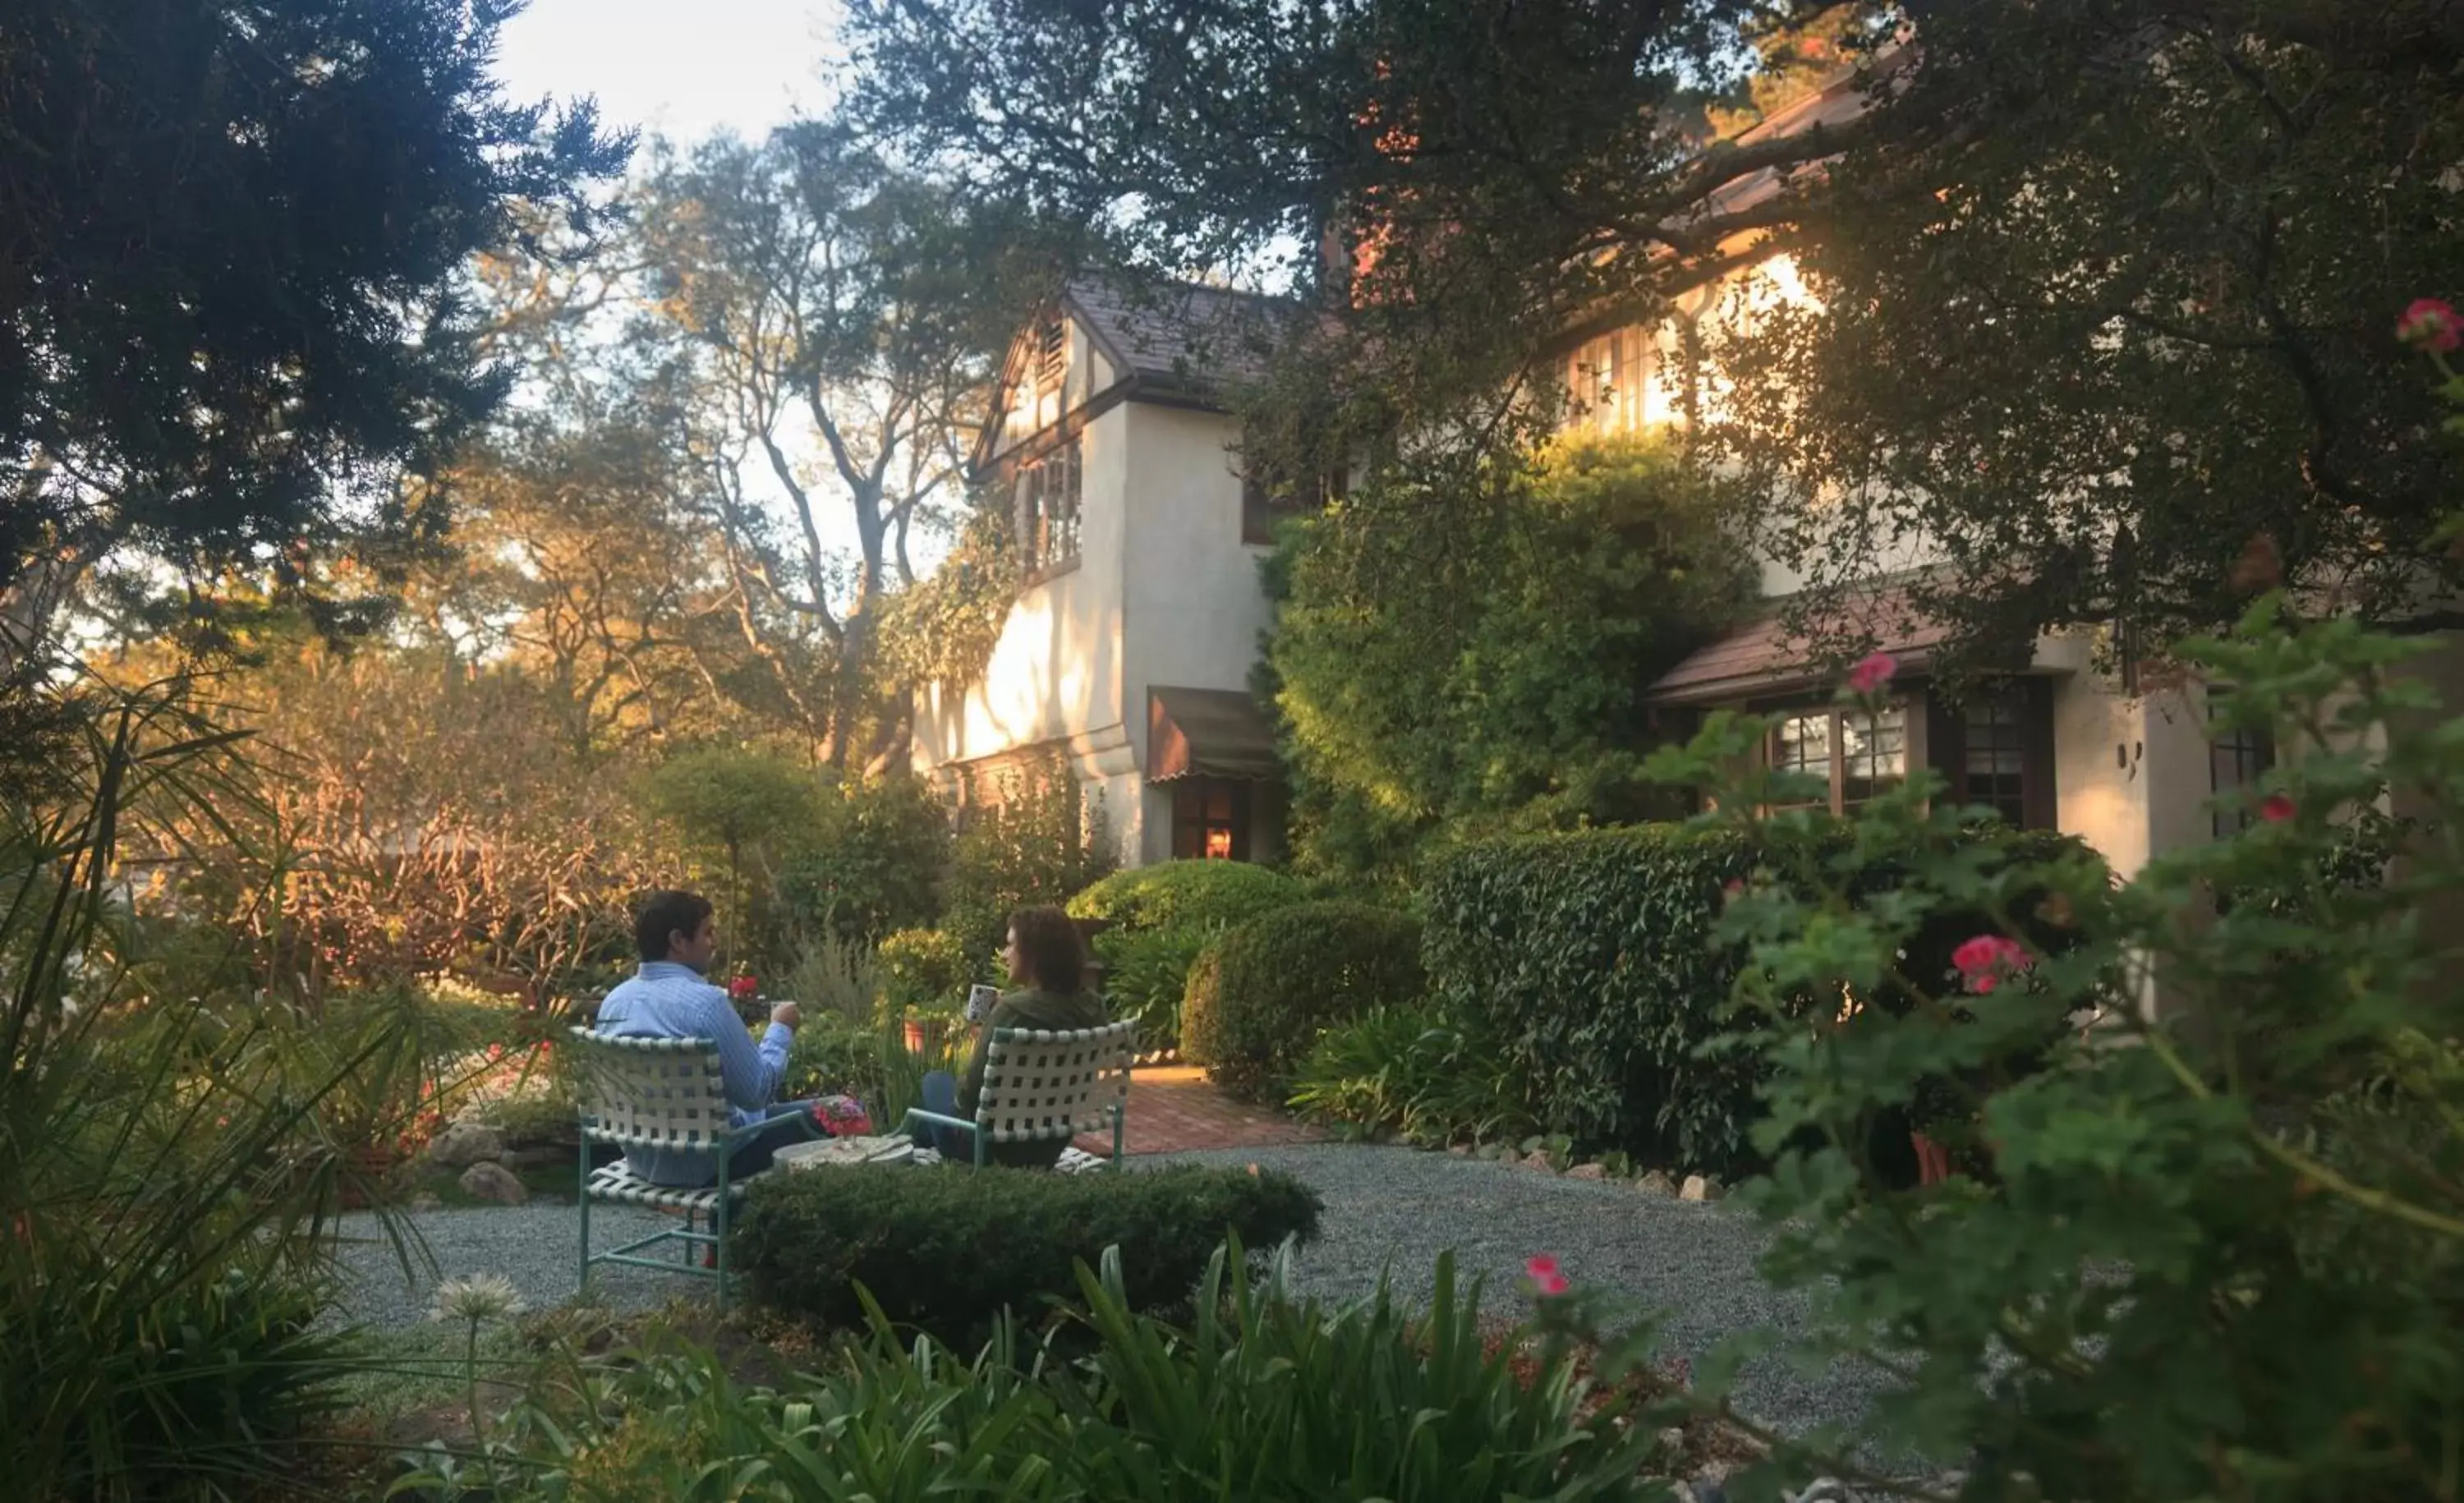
786, 1016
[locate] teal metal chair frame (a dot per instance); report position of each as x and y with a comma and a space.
1040, 1085
668, 1094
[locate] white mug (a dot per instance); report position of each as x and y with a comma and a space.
979, 1002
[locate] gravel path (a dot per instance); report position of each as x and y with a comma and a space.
1386, 1208
1692, 1264
531, 1244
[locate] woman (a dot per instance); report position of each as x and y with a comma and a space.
1048, 965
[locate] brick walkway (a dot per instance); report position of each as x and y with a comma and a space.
1171, 1108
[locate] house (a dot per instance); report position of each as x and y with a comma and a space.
1124, 665
1126, 658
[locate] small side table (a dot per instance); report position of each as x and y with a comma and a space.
833, 1153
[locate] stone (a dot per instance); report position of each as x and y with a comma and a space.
1821, 1489
1701, 1187
537, 1157
1540, 1161
1657, 1182
1460, 1150
466, 1143
494, 1181
1708, 1489
1588, 1171
425, 1200
1672, 1440
1502, 1153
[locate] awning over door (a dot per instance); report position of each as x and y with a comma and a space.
1212, 733
1765, 658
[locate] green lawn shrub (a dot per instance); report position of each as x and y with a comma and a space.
1160, 918
1413, 1072
1279, 981
1261, 1396
947, 1251
925, 972
1598, 961
1186, 894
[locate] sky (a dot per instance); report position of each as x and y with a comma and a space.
681, 68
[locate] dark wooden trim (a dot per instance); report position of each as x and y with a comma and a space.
2040, 800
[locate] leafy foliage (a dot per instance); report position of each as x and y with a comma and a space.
925, 970
1169, 894
234, 322
2221, 1249
1412, 1072
1146, 976
2131, 279
1456, 650
1596, 961
164, 1172
1042, 844
1261, 1395
1255, 1006
1162, 915
948, 1250
880, 846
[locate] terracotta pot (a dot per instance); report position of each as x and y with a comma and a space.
924, 1035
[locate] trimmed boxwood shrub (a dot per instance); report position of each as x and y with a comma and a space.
947, 1250
1259, 999
1594, 957
1172, 894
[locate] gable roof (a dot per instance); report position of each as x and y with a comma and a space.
1182, 334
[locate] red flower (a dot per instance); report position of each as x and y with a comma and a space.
1872, 671
2430, 324
1983, 961
1546, 1279
2275, 808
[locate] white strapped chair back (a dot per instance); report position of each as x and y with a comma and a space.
657, 1094
652, 1092
1045, 1084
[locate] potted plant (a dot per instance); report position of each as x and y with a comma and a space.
927, 1033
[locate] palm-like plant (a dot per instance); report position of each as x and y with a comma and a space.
167, 1165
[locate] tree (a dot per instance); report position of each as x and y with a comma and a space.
2108, 315
1472, 649
2112, 282
230, 322
808, 294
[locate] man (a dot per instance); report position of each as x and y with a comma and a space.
676, 935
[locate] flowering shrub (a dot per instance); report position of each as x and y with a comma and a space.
2221, 1252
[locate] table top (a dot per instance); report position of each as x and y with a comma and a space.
834, 1152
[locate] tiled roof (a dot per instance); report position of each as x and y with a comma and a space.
1764, 657
1183, 333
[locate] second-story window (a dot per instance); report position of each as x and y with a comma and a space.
1047, 508
1049, 369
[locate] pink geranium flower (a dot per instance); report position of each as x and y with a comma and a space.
1872, 671
1985, 961
2275, 808
1546, 1279
2430, 324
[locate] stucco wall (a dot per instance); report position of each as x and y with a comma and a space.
1195, 607
1055, 672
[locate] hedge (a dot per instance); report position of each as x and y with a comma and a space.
1594, 959
1259, 998
947, 1250
1177, 895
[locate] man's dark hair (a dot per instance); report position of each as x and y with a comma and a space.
1055, 957
663, 914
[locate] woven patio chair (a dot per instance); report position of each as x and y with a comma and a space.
639, 1093
1040, 1085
